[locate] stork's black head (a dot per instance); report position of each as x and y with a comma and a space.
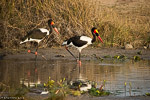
92, 30
51, 23
95, 31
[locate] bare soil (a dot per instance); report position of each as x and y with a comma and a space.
88, 53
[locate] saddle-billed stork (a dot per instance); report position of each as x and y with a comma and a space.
37, 35
81, 42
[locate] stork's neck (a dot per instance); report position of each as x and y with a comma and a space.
94, 37
51, 29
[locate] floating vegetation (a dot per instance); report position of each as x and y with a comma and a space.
76, 92
97, 57
147, 94
121, 57
82, 85
107, 56
136, 58
90, 87
139, 52
98, 92
83, 55
76, 88
58, 90
115, 56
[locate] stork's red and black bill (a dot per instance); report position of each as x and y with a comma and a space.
56, 30
96, 32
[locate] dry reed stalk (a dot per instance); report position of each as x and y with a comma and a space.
118, 24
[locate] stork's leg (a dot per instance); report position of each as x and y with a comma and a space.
29, 50
79, 59
70, 52
36, 51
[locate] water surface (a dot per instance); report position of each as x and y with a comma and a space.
115, 73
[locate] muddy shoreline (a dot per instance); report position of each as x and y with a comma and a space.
87, 54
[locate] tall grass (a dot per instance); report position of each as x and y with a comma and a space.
117, 25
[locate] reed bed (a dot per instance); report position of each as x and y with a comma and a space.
125, 22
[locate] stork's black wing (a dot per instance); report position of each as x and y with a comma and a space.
76, 41
35, 34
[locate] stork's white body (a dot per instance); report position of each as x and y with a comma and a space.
86, 39
42, 31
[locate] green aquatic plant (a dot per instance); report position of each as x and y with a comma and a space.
125, 87
130, 89
104, 82
121, 57
98, 92
116, 56
136, 58
97, 57
75, 92
139, 52
50, 83
60, 89
107, 56
147, 94
57, 89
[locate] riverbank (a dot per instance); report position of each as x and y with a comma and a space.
87, 53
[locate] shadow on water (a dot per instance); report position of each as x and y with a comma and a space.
116, 74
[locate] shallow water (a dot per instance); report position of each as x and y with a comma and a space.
115, 73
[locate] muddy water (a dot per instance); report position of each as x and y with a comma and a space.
115, 73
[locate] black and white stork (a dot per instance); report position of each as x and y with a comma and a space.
37, 35
81, 42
